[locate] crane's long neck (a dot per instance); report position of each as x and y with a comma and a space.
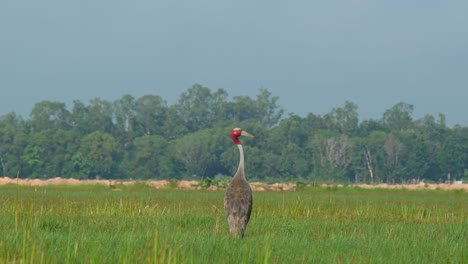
240, 169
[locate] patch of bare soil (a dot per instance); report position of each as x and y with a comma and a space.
193, 185
419, 186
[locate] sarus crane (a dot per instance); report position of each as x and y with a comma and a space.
238, 197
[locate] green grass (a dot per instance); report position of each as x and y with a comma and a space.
139, 224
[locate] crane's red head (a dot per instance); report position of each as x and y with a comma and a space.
237, 132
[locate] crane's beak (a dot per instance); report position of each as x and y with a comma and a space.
244, 133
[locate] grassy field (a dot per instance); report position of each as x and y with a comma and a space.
139, 224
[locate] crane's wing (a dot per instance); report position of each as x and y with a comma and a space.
238, 207
238, 201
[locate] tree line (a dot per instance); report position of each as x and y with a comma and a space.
145, 138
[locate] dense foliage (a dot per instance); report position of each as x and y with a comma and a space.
145, 138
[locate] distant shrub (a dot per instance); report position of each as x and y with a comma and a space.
300, 186
172, 185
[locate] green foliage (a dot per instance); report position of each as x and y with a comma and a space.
207, 182
344, 119
197, 151
49, 115
219, 181
146, 158
145, 138
398, 118
98, 149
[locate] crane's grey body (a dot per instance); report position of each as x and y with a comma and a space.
238, 199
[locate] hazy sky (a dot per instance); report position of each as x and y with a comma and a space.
313, 55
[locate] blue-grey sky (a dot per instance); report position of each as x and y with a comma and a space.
313, 55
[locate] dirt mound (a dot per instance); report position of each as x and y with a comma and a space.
256, 186
420, 186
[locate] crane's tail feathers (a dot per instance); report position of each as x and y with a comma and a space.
237, 226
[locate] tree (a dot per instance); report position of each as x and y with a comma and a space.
50, 115
268, 111
12, 143
48, 153
175, 127
219, 108
331, 155
242, 109
196, 152
126, 114
361, 163
146, 138
367, 127
99, 152
149, 159
79, 115
33, 158
82, 166
288, 141
432, 134
454, 155
194, 108
97, 116
290, 130
264, 110
374, 155
152, 115
399, 117
345, 119
294, 162
393, 152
